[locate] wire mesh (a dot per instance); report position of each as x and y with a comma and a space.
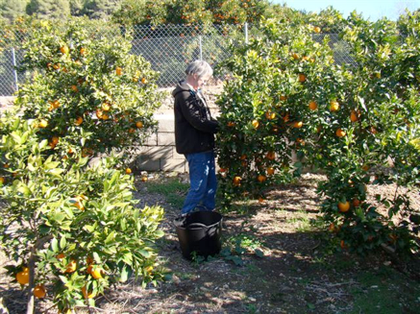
168, 48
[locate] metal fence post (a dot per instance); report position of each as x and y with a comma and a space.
246, 32
14, 68
201, 47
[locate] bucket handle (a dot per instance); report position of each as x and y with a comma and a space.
197, 225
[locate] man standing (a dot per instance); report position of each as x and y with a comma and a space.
194, 137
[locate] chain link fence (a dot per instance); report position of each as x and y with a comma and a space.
169, 48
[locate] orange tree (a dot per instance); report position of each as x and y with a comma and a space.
72, 226
288, 97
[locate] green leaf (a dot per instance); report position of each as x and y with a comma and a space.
54, 244
124, 275
63, 243
145, 253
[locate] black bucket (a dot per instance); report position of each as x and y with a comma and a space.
199, 232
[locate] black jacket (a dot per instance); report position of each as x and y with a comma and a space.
194, 125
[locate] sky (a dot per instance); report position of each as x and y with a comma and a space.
370, 9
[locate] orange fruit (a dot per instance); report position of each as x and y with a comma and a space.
55, 140
144, 80
43, 123
344, 207
86, 294
300, 141
302, 77
71, 267
23, 276
61, 256
271, 155
340, 133
128, 171
260, 200
131, 130
64, 50
270, 170
78, 121
144, 178
286, 118
118, 71
295, 56
99, 113
317, 29
139, 124
356, 202
297, 124
331, 228
40, 291
237, 180
283, 97
354, 116
230, 124
2, 180
255, 124
105, 106
270, 115
334, 105
261, 178
82, 51
74, 88
313, 105
95, 272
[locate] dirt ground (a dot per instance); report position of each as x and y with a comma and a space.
295, 274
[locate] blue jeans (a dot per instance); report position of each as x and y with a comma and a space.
202, 192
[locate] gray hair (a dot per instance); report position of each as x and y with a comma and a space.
199, 67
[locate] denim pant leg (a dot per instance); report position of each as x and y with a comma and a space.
199, 168
209, 200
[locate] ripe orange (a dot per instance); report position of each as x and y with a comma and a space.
255, 124
128, 171
354, 116
43, 123
331, 228
118, 71
270, 115
86, 294
78, 121
105, 106
55, 140
271, 155
222, 170
23, 276
131, 130
260, 200
95, 272
139, 124
344, 207
60, 256
261, 178
74, 88
82, 51
99, 113
297, 124
295, 56
313, 105
64, 50
71, 267
317, 29
270, 170
340, 133
2, 180
237, 180
334, 105
302, 77
231, 124
144, 178
40, 291
144, 80
356, 202
283, 97
286, 118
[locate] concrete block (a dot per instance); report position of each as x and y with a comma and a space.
165, 122
147, 164
155, 152
173, 165
166, 139
152, 140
